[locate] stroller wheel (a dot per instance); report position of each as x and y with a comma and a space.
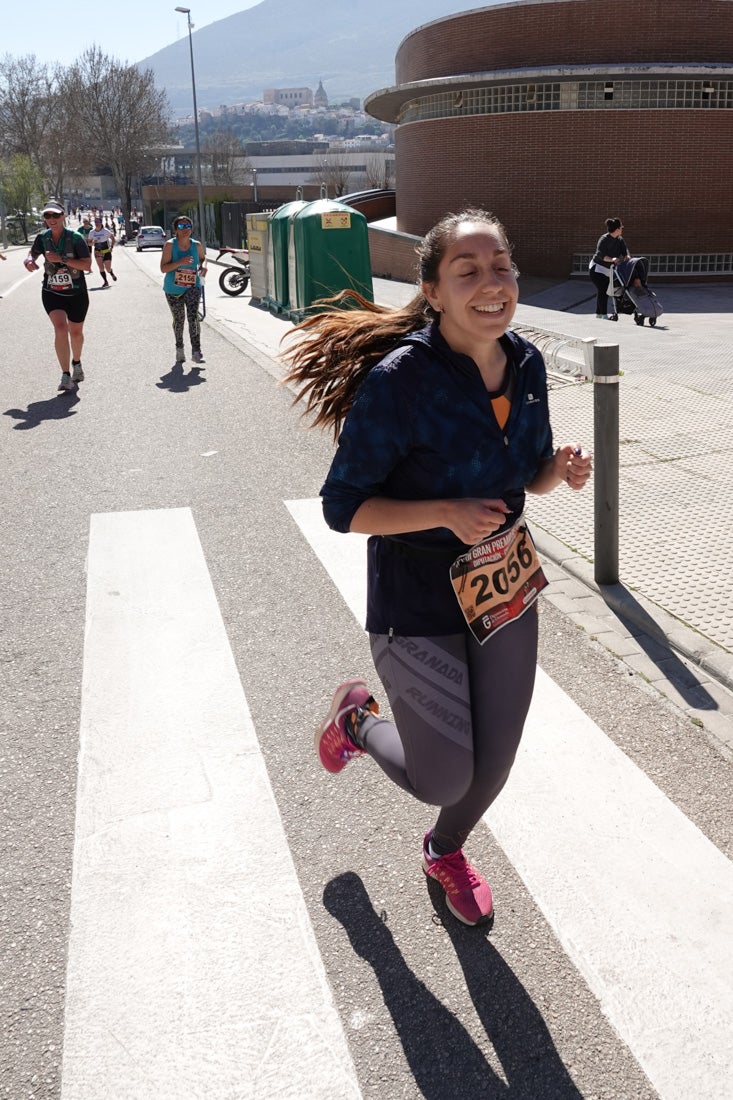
652, 321
639, 318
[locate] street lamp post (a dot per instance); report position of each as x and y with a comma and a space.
202, 226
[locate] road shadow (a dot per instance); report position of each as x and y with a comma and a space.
444, 1059
653, 641
177, 381
55, 408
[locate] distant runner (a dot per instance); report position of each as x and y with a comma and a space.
102, 241
183, 263
65, 298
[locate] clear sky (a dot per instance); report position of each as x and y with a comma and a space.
128, 31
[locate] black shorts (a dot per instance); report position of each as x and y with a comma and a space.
75, 306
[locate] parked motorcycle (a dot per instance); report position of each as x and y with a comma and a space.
235, 280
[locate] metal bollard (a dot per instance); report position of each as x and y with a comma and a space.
606, 461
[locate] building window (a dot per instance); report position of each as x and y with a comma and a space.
628, 95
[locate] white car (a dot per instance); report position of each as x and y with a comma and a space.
150, 236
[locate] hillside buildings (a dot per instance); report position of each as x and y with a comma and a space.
310, 109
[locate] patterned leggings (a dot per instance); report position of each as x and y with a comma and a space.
182, 305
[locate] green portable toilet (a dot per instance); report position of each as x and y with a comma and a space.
278, 297
328, 252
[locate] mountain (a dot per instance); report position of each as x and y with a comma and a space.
293, 43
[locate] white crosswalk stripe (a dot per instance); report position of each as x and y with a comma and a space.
636, 894
193, 969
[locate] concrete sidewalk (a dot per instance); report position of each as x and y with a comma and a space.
670, 619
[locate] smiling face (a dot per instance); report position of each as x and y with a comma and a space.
476, 290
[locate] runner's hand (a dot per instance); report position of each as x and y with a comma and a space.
573, 465
473, 519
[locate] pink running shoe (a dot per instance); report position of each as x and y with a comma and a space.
333, 743
467, 893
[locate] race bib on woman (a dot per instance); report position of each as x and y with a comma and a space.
185, 277
60, 280
497, 580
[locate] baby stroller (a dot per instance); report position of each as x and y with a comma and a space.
629, 293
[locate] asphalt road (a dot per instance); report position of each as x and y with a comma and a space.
429, 1009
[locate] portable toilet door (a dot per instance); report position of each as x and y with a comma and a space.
330, 253
278, 300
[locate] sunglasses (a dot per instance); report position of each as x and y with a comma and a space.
184, 225
50, 214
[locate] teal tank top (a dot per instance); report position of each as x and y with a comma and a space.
180, 280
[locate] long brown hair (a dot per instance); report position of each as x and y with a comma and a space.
337, 347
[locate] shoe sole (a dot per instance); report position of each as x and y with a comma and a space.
336, 702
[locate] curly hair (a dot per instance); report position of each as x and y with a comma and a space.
339, 345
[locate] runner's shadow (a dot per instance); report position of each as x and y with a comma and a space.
510, 1018
56, 408
444, 1059
178, 382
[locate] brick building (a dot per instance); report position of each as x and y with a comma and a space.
556, 114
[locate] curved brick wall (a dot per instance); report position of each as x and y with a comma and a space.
569, 32
548, 175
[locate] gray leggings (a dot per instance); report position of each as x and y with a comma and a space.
459, 710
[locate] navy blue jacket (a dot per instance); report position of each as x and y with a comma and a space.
422, 428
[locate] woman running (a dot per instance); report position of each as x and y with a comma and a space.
184, 262
102, 240
64, 295
444, 426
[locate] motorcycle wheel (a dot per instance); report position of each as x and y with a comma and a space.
233, 282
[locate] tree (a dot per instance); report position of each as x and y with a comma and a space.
32, 122
334, 171
225, 161
21, 188
24, 88
120, 114
379, 171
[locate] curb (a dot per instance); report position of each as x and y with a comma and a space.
635, 608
